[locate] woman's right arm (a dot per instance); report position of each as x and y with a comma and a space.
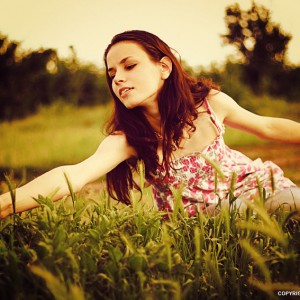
111, 152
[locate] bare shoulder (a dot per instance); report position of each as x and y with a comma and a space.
117, 144
233, 115
221, 103
216, 95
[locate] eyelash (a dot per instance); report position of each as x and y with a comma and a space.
128, 68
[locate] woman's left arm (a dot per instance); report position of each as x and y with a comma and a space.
269, 128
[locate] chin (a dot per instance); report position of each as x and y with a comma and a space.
130, 106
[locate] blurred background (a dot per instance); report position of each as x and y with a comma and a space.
53, 94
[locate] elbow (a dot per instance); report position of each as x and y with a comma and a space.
73, 178
271, 132
267, 134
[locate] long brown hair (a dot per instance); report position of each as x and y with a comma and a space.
177, 103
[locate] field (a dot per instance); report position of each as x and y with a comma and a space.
62, 134
88, 247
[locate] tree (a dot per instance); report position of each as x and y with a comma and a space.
261, 43
25, 82
29, 79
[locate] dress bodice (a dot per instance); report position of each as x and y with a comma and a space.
206, 177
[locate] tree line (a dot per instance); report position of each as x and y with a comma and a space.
34, 78
29, 79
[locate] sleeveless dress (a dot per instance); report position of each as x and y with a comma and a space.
206, 177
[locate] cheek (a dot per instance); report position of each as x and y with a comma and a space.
156, 84
154, 81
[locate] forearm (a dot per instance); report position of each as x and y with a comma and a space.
112, 151
46, 184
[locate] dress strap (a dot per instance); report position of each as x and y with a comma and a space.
213, 116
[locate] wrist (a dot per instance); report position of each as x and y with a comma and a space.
6, 207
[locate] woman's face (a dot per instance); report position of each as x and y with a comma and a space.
136, 79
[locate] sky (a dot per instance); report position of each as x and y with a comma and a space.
192, 27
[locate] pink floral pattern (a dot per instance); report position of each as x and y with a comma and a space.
197, 174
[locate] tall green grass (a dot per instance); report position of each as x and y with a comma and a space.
87, 247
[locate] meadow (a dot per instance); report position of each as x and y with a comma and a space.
87, 246
63, 134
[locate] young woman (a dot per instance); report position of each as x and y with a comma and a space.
173, 124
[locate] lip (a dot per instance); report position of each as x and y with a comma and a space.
124, 91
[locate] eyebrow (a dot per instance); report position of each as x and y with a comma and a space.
122, 61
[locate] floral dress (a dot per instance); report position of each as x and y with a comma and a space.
207, 177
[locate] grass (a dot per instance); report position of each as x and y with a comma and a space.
87, 248
57, 134
62, 134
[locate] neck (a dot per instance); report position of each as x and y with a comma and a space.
153, 117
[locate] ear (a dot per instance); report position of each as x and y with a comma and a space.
166, 67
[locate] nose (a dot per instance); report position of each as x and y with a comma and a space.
119, 78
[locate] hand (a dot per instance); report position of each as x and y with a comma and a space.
6, 207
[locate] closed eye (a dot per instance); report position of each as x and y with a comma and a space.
130, 67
